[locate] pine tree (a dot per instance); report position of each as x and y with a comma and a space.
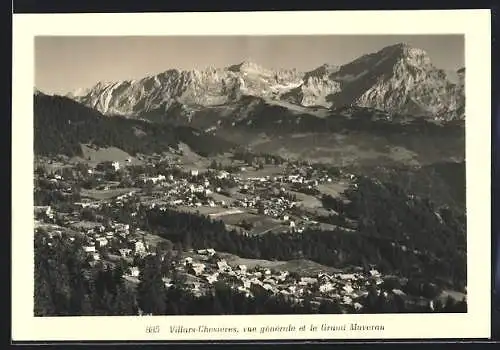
151, 289
124, 303
43, 304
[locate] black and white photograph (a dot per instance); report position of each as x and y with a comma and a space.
249, 175
254, 175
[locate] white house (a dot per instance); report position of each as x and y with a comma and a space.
212, 278
134, 271
267, 287
89, 249
194, 172
347, 276
222, 265
124, 252
158, 178
211, 251
198, 268
309, 280
327, 287
115, 165
140, 247
102, 241
222, 174
46, 210
347, 300
348, 289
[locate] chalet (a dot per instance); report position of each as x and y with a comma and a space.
157, 179
134, 271
358, 306
243, 290
347, 300
212, 278
283, 275
167, 281
89, 249
347, 276
140, 248
348, 289
197, 268
327, 287
309, 280
210, 251
44, 210
267, 286
125, 252
102, 241
222, 174
223, 266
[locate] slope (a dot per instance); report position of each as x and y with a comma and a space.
61, 125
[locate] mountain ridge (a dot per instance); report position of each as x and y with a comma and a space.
398, 78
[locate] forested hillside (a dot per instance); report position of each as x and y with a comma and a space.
61, 125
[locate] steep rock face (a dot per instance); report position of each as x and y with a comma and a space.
396, 79
316, 86
403, 80
207, 87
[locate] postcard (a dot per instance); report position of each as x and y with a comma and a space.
251, 176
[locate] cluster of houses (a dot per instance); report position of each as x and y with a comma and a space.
266, 194
117, 238
207, 268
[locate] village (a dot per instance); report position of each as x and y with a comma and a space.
287, 199
251, 204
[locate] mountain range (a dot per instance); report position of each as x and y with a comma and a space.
396, 79
389, 106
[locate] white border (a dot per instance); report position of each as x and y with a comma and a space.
474, 24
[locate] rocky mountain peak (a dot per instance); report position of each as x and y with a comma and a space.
397, 78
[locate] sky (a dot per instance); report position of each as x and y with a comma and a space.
67, 63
